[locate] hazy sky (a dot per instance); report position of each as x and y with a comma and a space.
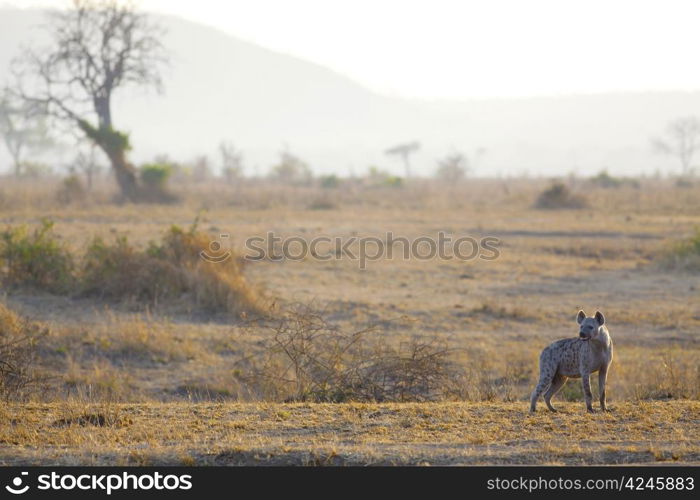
460, 48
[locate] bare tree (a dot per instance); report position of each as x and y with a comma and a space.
454, 167
291, 169
404, 151
98, 46
231, 162
682, 142
200, 169
21, 131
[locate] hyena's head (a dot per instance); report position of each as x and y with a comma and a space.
589, 327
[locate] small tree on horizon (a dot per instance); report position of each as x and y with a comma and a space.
231, 161
291, 169
22, 130
682, 142
404, 151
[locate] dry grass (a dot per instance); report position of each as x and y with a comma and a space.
346, 434
682, 255
179, 384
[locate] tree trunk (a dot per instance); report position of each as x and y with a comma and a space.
124, 172
16, 153
114, 145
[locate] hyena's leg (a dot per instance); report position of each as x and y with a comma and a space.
586, 380
546, 375
602, 378
557, 384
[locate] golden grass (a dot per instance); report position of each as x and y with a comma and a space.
346, 434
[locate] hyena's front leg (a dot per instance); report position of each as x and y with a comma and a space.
586, 380
602, 378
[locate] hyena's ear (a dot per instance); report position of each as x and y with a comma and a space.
580, 317
600, 318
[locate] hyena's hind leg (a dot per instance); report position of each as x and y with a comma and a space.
546, 376
557, 384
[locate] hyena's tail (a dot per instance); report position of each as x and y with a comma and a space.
545, 381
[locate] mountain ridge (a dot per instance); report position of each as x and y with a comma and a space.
219, 87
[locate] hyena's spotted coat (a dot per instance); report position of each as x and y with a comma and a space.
591, 352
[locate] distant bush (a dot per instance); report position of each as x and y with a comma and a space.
305, 358
329, 181
381, 178
19, 342
605, 180
36, 260
154, 179
71, 190
683, 255
156, 175
393, 181
558, 196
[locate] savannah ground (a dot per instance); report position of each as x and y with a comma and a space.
157, 383
348, 434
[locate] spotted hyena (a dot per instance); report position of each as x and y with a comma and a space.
591, 352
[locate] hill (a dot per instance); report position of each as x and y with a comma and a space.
220, 87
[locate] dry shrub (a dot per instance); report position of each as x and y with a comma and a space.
305, 358
169, 270
19, 339
121, 271
559, 196
35, 260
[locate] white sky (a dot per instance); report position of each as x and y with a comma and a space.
462, 49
